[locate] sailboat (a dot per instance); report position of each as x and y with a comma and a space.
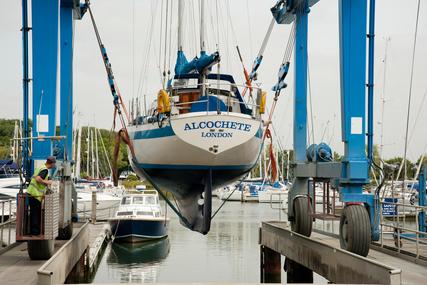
199, 136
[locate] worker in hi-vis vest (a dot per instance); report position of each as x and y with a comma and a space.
36, 190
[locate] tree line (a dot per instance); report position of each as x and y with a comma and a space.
7, 127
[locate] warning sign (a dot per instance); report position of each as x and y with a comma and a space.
389, 210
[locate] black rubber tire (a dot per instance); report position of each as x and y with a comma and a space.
65, 233
355, 230
40, 249
303, 221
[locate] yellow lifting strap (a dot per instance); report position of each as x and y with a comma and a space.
163, 102
263, 102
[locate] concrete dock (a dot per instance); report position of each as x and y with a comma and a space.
322, 255
17, 268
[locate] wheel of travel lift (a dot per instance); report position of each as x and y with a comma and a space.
40, 249
303, 221
65, 233
355, 229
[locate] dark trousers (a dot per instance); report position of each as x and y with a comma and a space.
35, 216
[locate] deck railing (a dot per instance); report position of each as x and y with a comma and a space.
225, 93
400, 230
7, 220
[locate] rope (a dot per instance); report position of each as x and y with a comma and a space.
228, 197
115, 232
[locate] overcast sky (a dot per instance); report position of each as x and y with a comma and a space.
124, 27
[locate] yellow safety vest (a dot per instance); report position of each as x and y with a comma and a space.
36, 189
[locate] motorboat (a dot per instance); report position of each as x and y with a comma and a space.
139, 218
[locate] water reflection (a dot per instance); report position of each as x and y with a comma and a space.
137, 262
229, 253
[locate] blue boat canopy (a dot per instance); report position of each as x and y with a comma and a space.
198, 64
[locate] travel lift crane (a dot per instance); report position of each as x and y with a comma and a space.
52, 56
359, 223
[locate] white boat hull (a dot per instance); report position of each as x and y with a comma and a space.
195, 153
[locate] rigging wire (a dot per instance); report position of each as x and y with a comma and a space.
161, 38
142, 87
193, 26
170, 41
410, 92
118, 101
133, 49
404, 162
286, 58
228, 197
166, 44
249, 28
383, 100
217, 23
417, 117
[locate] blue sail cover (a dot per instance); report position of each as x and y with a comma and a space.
198, 64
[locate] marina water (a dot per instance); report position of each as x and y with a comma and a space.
229, 253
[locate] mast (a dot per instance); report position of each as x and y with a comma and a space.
96, 154
87, 150
73, 152
287, 166
202, 26
92, 154
383, 101
15, 144
78, 155
180, 21
25, 91
202, 47
106, 154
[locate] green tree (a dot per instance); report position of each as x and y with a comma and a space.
392, 166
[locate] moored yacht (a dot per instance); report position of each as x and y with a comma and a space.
199, 135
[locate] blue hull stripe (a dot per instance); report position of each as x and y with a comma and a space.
194, 167
166, 132
154, 133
